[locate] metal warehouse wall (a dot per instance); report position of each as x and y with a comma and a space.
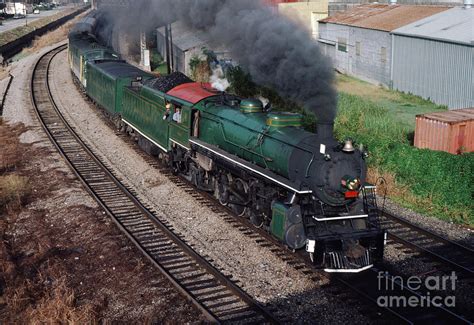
368, 64
440, 71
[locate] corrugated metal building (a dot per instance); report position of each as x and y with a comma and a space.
434, 58
188, 43
359, 41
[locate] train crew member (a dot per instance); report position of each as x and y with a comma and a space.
167, 112
177, 115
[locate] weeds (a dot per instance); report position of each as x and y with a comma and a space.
429, 181
58, 306
14, 192
11, 153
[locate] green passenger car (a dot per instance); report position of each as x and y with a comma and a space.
106, 81
84, 49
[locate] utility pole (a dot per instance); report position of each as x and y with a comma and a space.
173, 68
144, 52
167, 48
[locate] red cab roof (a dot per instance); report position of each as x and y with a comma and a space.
193, 92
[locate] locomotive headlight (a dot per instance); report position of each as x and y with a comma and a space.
351, 183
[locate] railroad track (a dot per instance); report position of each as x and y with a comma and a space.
363, 285
219, 298
370, 285
451, 254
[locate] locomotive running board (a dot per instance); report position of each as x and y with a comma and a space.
341, 218
251, 167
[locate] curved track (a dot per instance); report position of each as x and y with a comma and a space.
218, 297
364, 285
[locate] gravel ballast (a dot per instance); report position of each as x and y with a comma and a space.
262, 274
102, 267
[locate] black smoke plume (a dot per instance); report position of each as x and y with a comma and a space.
275, 51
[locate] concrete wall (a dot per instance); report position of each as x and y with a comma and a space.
367, 55
439, 71
306, 14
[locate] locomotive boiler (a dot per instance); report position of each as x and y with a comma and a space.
307, 189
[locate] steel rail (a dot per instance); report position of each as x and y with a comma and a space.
456, 255
362, 287
364, 284
214, 294
374, 284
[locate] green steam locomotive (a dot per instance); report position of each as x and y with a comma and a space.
307, 189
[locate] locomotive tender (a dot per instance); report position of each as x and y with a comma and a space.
307, 189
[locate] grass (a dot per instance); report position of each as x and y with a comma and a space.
14, 192
158, 65
401, 107
383, 122
11, 155
14, 189
58, 306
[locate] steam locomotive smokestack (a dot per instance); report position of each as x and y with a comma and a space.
325, 130
276, 52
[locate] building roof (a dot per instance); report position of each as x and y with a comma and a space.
383, 17
454, 116
193, 92
184, 37
450, 26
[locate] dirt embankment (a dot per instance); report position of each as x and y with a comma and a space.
62, 259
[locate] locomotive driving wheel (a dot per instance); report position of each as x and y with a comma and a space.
239, 196
222, 189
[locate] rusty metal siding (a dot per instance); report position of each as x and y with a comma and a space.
452, 131
440, 71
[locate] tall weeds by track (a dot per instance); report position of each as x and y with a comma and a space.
14, 188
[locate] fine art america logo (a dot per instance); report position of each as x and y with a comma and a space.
415, 291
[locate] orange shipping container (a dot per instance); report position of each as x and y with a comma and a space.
450, 131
